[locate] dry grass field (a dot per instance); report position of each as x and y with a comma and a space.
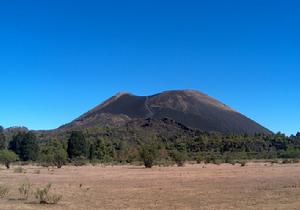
255, 186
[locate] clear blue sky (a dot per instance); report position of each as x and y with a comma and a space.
60, 58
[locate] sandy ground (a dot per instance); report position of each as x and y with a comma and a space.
255, 186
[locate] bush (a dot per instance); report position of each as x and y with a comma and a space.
274, 161
210, 158
179, 158
228, 159
57, 158
79, 161
148, 154
199, 158
286, 161
3, 191
53, 155
243, 163
24, 190
7, 157
19, 170
44, 197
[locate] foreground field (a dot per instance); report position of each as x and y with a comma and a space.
255, 186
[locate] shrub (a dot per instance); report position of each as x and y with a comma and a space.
7, 157
148, 154
53, 154
210, 158
37, 171
243, 163
25, 190
199, 158
274, 161
179, 158
19, 170
3, 191
229, 159
44, 197
79, 161
286, 161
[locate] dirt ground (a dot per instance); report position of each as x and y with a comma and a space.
255, 186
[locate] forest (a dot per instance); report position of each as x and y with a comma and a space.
133, 145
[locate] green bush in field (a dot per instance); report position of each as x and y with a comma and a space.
53, 154
7, 157
149, 154
43, 195
79, 161
210, 158
179, 157
199, 158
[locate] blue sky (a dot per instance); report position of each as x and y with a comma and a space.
60, 58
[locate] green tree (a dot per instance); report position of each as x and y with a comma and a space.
7, 157
149, 154
77, 145
123, 152
25, 145
179, 157
54, 154
100, 150
2, 139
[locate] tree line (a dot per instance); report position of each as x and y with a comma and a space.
80, 147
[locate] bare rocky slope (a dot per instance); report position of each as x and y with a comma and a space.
188, 107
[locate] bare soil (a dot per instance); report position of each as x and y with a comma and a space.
255, 186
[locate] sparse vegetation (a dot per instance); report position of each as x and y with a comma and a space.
19, 169
44, 196
25, 190
3, 191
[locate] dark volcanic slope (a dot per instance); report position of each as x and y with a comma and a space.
191, 108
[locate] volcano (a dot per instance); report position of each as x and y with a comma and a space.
188, 107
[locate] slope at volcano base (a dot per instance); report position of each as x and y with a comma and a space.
255, 186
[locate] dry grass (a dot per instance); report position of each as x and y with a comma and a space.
255, 186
